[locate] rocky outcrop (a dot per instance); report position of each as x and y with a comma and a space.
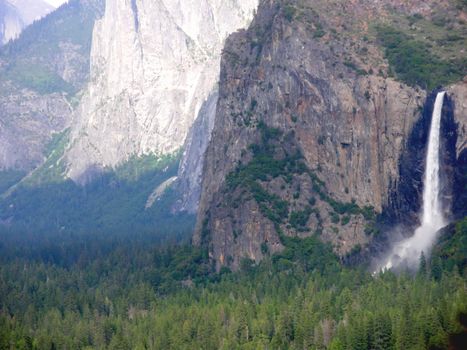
153, 64
309, 131
41, 75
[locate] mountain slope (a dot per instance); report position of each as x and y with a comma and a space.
41, 72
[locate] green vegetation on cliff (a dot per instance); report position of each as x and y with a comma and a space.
37, 78
415, 63
272, 159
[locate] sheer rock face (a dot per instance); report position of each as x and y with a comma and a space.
458, 96
351, 127
153, 64
191, 166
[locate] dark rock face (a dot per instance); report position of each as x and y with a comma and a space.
448, 157
344, 128
406, 197
457, 147
460, 186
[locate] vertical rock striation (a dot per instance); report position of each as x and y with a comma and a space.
153, 65
312, 136
458, 136
190, 173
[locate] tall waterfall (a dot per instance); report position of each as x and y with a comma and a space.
432, 219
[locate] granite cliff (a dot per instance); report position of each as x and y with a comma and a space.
310, 128
120, 98
153, 65
190, 173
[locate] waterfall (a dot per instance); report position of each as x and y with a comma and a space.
432, 219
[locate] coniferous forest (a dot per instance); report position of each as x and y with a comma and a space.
140, 293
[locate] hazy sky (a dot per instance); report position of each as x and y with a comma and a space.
56, 3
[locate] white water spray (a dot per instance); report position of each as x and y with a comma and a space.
409, 250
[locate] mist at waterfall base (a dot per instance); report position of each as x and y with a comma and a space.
407, 252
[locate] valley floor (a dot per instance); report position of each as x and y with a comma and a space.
111, 293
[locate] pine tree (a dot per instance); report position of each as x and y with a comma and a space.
423, 266
5, 333
243, 327
382, 332
436, 268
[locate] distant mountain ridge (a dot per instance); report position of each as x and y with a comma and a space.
15, 15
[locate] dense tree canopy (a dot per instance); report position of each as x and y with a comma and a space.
129, 293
